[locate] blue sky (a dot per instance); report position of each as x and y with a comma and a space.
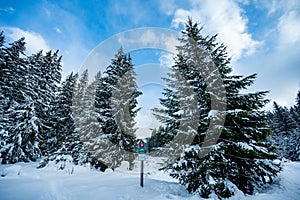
263, 36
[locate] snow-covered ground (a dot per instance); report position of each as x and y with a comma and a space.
24, 181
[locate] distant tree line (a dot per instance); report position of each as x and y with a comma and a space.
285, 124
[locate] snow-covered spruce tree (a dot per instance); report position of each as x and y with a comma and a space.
87, 127
241, 157
296, 115
179, 113
115, 105
283, 127
78, 105
124, 104
169, 116
295, 110
91, 133
44, 78
285, 134
19, 123
47, 70
3, 99
62, 141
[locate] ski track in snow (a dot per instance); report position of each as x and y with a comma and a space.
24, 181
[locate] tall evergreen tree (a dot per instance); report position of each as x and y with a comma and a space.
87, 127
61, 139
296, 139
78, 98
47, 77
283, 121
286, 131
116, 104
295, 110
180, 114
240, 157
169, 116
3, 99
19, 132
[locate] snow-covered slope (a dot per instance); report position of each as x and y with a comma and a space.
24, 181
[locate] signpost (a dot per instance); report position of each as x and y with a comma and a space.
142, 149
142, 157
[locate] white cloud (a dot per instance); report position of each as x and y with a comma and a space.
7, 9
180, 17
148, 38
168, 7
145, 123
278, 67
166, 60
274, 6
145, 38
289, 28
225, 18
282, 62
57, 29
34, 41
145, 120
47, 11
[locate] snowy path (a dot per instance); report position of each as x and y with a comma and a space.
26, 182
23, 181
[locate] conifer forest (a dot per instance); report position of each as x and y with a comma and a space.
221, 136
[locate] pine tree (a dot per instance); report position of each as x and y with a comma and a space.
19, 132
283, 126
61, 139
78, 98
115, 105
3, 99
28, 85
296, 139
87, 127
286, 134
169, 116
283, 121
295, 110
46, 78
241, 156
180, 114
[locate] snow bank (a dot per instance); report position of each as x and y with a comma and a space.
24, 181
287, 186
11, 171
